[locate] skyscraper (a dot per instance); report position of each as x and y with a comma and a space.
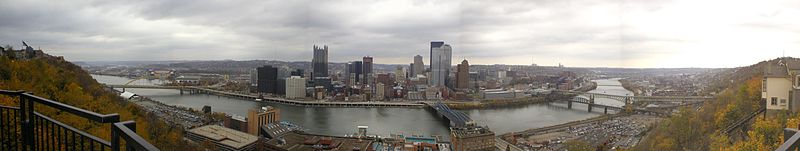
267, 79
367, 73
462, 75
411, 71
419, 66
399, 74
320, 61
354, 72
440, 64
434, 44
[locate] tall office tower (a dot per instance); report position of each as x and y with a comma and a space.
399, 74
320, 62
253, 79
419, 66
367, 67
411, 71
440, 64
354, 72
462, 75
434, 44
267, 79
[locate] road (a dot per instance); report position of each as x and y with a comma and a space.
501, 144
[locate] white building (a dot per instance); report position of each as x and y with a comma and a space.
781, 85
399, 74
295, 87
440, 65
380, 92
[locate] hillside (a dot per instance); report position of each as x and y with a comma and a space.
59, 80
699, 128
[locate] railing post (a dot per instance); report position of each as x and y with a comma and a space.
131, 126
26, 115
114, 138
790, 141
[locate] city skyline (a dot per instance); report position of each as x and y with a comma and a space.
575, 33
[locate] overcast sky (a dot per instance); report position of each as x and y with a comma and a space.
589, 33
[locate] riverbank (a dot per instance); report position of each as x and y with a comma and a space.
628, 85
592, 85
498, 103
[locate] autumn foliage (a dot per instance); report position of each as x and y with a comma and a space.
65, 82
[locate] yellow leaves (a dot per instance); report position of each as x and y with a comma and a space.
764, 135
67, 84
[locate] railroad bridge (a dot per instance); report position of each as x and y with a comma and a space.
632, 99
588, 98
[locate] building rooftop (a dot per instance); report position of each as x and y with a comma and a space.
297, 141
225, 136
779, 68
472, 131
275, 130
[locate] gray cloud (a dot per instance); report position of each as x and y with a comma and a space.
577, 32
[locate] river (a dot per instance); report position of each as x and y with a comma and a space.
384, 121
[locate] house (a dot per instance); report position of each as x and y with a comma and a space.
781, 85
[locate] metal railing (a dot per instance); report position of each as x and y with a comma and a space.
22, 128
791, 140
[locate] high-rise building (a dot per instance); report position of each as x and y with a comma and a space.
411, 71
295, 87
419, 66
267, 79
399, 74
434, 44
440, 64
263, 116
462, 75
367, 73
320, 61
254, 80
354, 72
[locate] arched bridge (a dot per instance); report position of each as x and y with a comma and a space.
631, 99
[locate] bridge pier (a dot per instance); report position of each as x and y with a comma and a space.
181, 91
591, 101
569, 104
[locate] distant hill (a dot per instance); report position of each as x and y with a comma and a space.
721, 79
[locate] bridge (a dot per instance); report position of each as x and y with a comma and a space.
22, 128
206, 90
591, 104
181, 88
456, 118
640, 98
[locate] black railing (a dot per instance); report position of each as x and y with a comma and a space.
21, 128
791, 140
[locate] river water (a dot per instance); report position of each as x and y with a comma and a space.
384, 121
